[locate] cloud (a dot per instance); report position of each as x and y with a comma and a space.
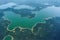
8, 5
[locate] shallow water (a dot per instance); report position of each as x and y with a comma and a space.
25, 22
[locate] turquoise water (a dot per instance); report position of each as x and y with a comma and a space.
9, 37
25, 22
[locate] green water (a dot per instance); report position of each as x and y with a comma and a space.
8, 37
25, 22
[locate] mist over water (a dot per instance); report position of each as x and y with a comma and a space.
29, 1
25, 22
48, 8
